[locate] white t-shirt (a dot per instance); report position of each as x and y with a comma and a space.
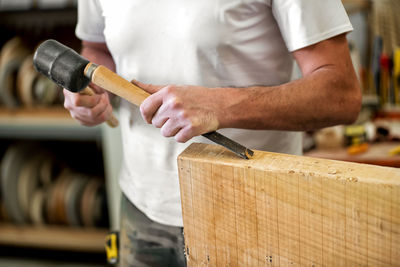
212, 43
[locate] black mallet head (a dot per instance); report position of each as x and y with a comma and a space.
62, 65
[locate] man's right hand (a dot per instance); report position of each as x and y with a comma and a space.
88, 110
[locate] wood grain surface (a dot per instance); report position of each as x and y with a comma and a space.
280, 210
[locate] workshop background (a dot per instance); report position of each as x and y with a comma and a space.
59, 195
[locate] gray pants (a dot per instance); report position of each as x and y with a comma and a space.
144, 242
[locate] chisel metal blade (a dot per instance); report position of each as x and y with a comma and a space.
233, 146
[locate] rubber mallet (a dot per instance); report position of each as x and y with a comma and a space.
72, 71
65, 67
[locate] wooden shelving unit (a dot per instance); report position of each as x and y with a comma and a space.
54, 237
48, 123
52, 123
46, 115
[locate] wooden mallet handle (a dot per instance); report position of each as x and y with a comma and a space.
112, 82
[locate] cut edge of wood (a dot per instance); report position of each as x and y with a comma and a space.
285, 163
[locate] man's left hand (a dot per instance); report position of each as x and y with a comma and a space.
181, 111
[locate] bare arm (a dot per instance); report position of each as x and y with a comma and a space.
91, 110
328, 94
98, 53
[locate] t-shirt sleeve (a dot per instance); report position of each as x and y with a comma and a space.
306, 22
90, 26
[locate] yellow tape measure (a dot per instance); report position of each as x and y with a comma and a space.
396, 76
112, 247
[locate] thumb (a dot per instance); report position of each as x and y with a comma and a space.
149, 88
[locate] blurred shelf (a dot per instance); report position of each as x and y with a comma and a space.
377, 154
354, 6
44, 123
38, 17
54, 237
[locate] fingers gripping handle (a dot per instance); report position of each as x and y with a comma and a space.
115, 84
112, 121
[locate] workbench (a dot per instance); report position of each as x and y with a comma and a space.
377, 154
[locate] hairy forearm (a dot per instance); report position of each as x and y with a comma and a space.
323, 98
328, 94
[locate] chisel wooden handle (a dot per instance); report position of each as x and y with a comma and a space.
112, 121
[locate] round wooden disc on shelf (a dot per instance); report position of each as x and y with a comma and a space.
55, 204
3, 213
49, 204
37, 205
25, 81
11, 57
48, 170
52, 199
12, 162
73, 199
45, 92
88, 199
62, 199
28, 182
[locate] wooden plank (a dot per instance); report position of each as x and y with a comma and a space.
240, 206
223, 200
310, 201
271, 209
261, 214
333, 223
250, 211
201, 181
379, 225
278, 209
198, 171
356, 225
395, 227
288, 219
187, 209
